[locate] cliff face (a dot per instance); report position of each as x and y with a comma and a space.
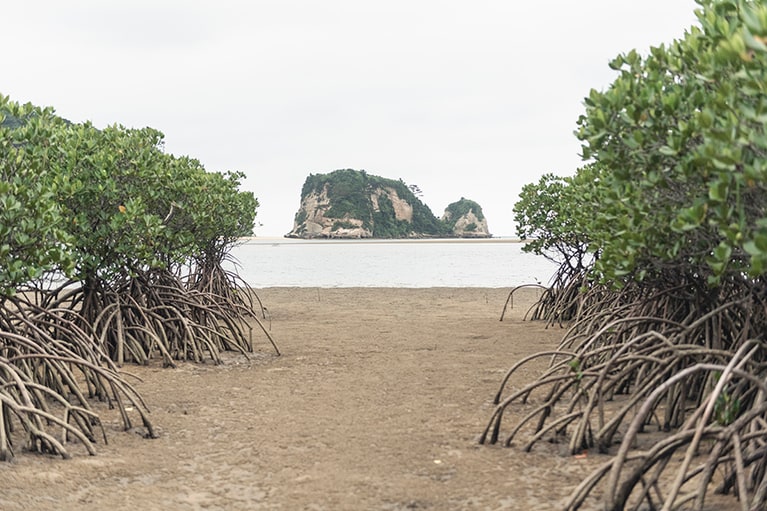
465, 219
313, 220
353, 204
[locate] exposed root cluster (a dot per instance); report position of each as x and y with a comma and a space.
60, 349
674, 360
158, 313
51, 370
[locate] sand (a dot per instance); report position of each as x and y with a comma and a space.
375, 404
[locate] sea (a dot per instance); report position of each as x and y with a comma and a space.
492, 262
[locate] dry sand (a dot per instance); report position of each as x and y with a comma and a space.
375, 404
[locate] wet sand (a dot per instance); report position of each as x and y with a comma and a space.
376, 403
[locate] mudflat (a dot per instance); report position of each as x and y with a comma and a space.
376, 403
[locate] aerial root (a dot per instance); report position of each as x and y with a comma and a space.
158, 312
61, 347
44, 360
639, 358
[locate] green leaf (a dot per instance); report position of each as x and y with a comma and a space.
667, 151
717, 192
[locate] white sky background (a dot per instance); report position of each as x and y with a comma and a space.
463, 98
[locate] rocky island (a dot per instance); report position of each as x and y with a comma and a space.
351, 203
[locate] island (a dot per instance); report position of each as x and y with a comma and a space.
352, 204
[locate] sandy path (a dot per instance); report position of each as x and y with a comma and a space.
376, 404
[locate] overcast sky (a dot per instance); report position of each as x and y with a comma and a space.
462, 98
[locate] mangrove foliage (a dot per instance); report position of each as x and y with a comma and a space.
662, 243
112, 251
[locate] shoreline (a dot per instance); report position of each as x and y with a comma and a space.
504, 289
317, 241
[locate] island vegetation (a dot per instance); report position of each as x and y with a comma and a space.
111, 251
662, 243
462, 209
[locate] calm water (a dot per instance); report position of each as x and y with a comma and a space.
282, 262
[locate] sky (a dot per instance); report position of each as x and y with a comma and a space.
464, 98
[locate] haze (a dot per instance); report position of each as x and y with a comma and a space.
471, 99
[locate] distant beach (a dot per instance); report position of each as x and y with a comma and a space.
277, 239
